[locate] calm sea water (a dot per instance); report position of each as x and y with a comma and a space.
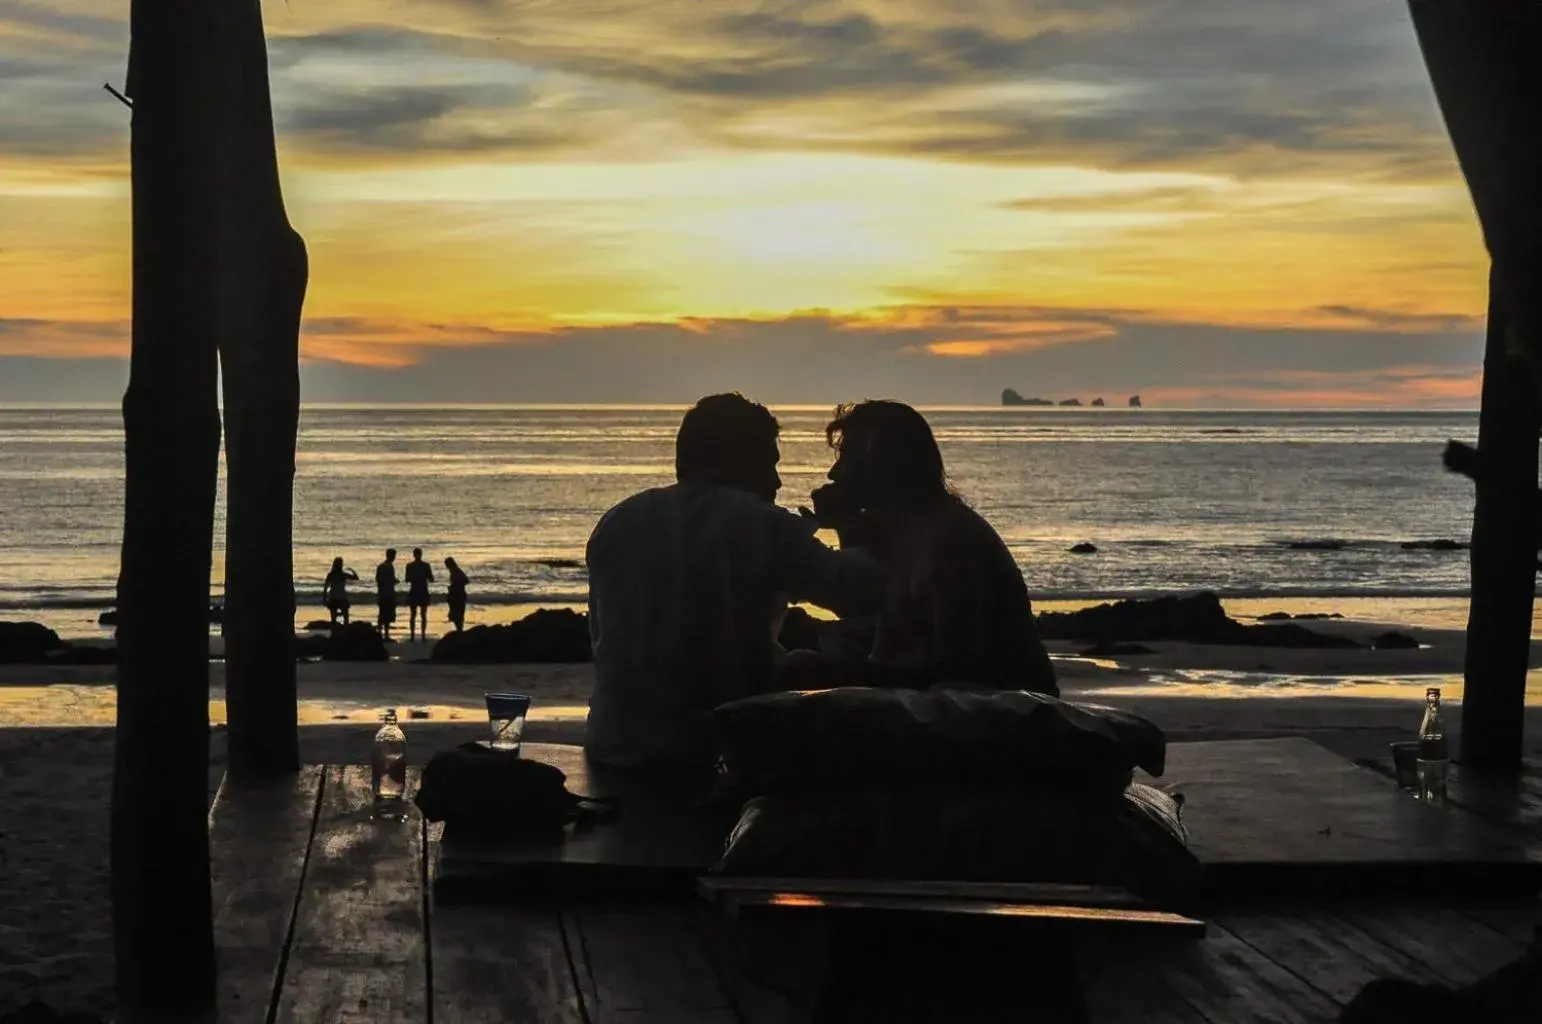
1174, 501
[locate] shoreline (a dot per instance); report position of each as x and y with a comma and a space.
1410, 607
329, 692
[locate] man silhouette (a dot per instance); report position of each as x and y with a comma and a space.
385, 592
685, 583
419, 575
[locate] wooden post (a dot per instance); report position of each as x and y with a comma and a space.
161, 907
1482, 59
1504, 549
262, 288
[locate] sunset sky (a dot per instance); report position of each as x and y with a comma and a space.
1211, 202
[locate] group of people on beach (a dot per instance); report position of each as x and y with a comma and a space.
418, 573
689, 583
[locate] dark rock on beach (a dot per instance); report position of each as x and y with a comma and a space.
357, 641
26, 642
1116, 650
546, 635
1394, 642
308, 647
1303, 617
1434, 545
1317, 545
319, 626
1084, 548
1195, 619
84, 654
110, 616
1162, 618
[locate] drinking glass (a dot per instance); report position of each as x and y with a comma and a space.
506, 714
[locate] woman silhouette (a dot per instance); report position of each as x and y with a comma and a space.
334, 592
457, 595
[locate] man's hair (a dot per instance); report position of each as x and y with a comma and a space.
390, 554
719, 435
903, 457
417, 552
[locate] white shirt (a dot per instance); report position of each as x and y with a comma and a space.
684, 584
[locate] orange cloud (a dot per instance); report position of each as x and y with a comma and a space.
1018, 338
63, 339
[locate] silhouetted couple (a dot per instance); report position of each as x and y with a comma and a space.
688, 582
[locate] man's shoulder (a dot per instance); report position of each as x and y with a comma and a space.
673, 498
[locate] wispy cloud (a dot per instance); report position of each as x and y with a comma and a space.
1273, 89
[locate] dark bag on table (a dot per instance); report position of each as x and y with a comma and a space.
867, 738
478, 791
1134, 840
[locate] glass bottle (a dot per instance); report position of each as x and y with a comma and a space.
1434, 753
390, 769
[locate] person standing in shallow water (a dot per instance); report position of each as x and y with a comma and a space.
334, 591
457, 595
419, 575
385, 593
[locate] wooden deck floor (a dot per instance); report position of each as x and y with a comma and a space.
324, 914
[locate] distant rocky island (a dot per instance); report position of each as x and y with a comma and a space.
1010, 396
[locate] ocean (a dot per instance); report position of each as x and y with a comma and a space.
1249, 504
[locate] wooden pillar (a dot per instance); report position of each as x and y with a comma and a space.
1482, 59
161, 910
262, 290
1504, 544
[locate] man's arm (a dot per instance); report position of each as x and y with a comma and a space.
847, 582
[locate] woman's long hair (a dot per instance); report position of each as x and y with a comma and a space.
902, 456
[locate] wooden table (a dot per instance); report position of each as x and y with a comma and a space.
325, 915
660, 841
1266, 817
1512, 801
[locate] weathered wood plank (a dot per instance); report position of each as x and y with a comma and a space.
359, 951
1446, 944
1325, 823
259, 835
643, 961
1043, 893
1120, 988
497, 965
772, 971
1229, 981
1517, 921
946, 911
1322, 950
